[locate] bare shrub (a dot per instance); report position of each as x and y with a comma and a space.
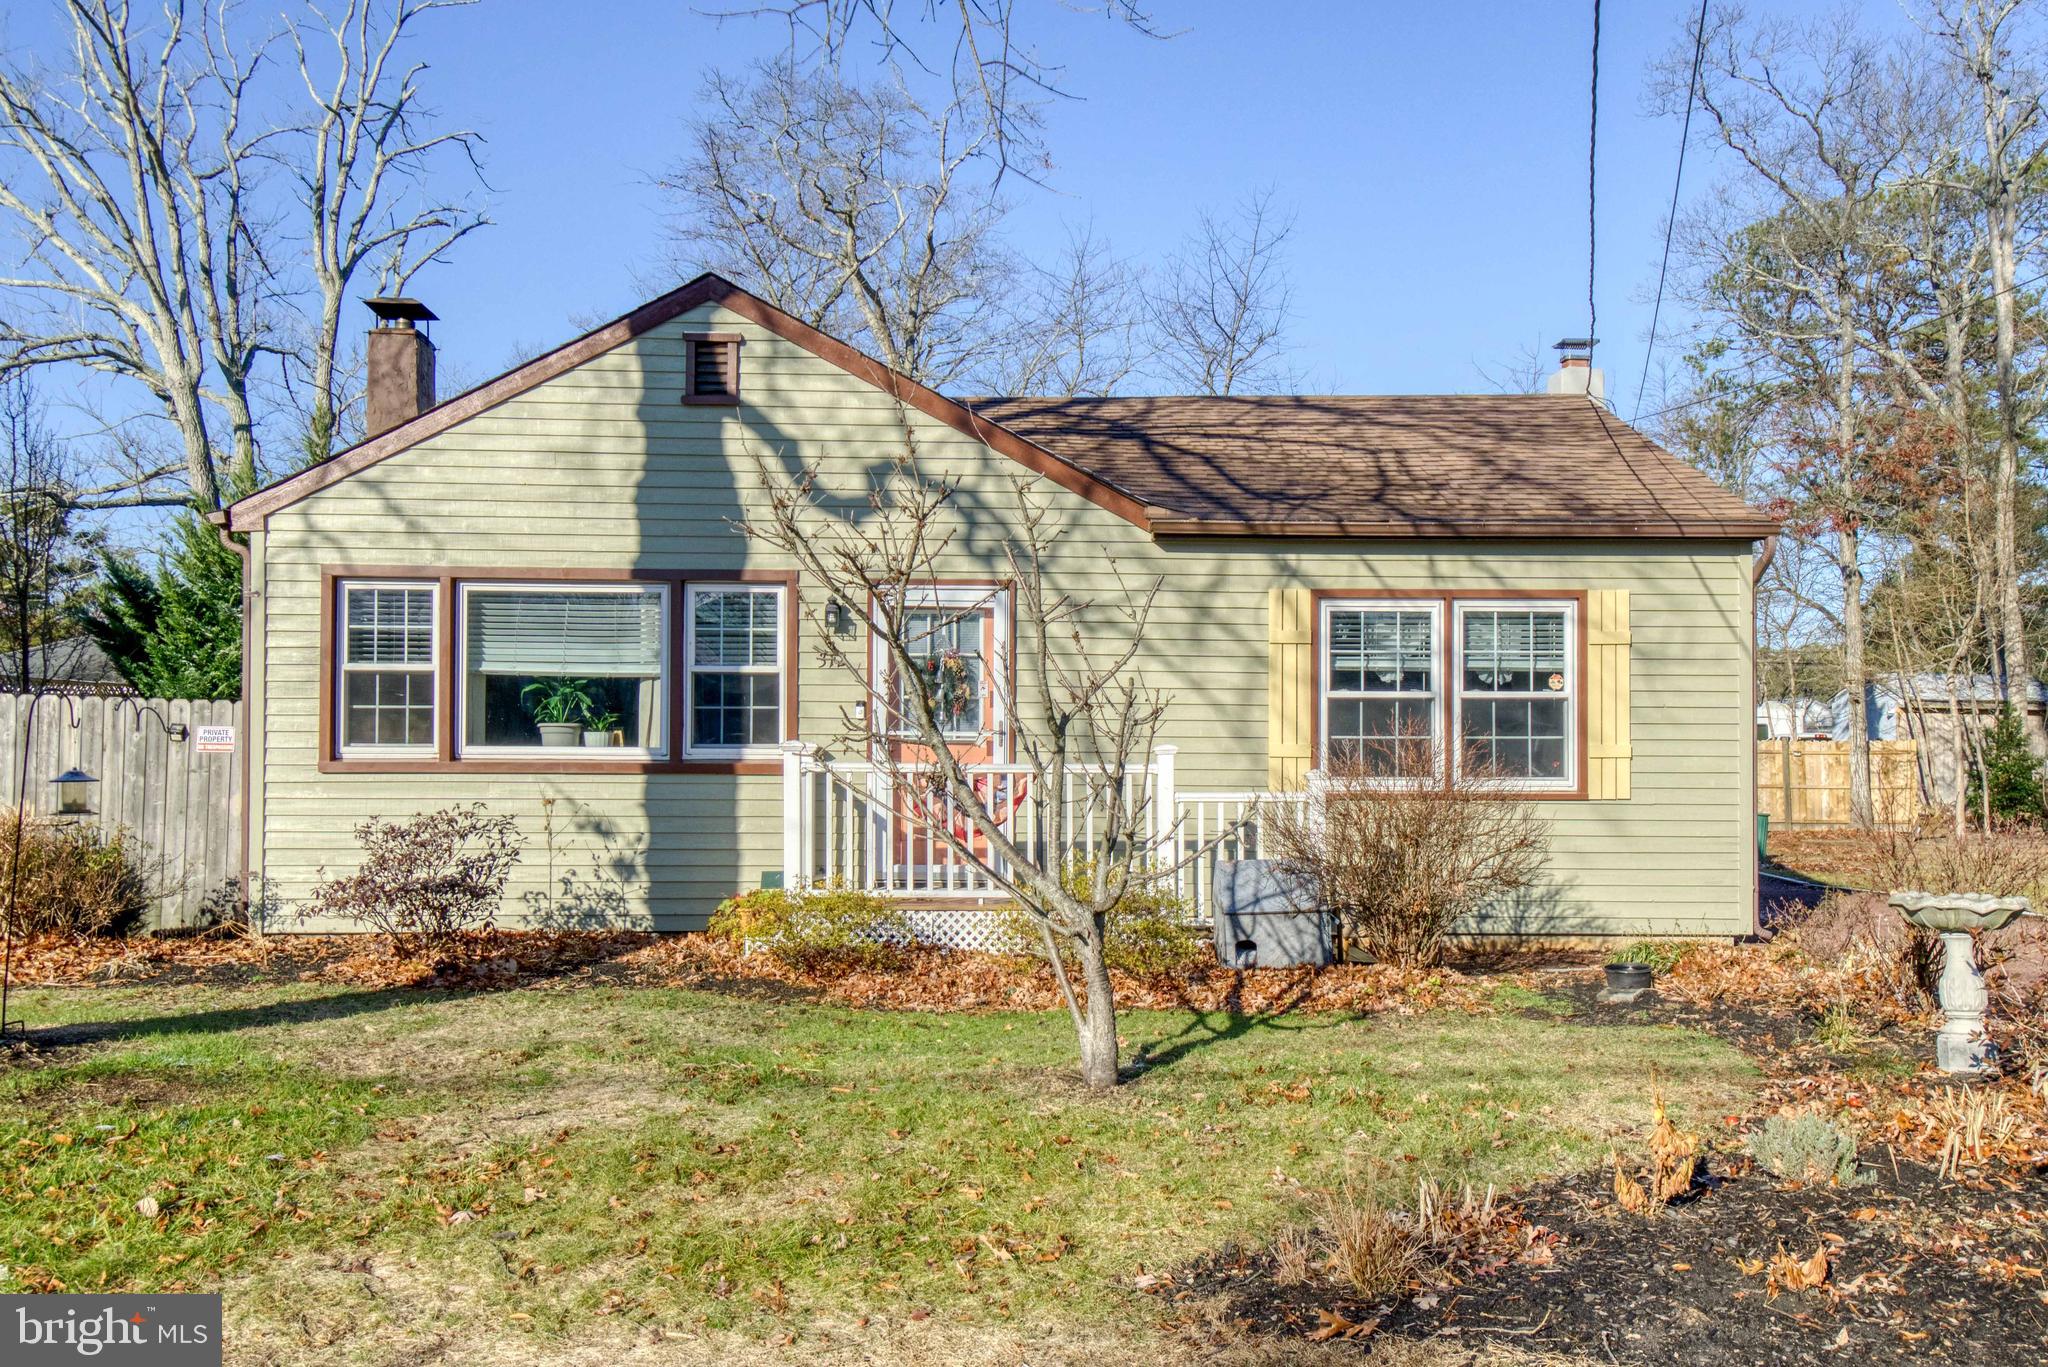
1402, 864
76, 879
426, 882
2007, 862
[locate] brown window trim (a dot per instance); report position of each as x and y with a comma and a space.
731, 341
1449, 598
447, 577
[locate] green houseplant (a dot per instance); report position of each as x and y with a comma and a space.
558, 707
601, 728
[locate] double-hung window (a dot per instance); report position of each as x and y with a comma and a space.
1499, 700
1381, 688
1517, 684
559, 667
385, 702
735, 653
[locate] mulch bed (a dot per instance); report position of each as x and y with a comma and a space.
1918, 1269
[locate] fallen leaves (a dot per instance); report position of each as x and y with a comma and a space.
933, 980
1787, 1273
1335, 1326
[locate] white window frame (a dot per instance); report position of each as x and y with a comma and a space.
1569, 695
579, 754
1326, 637
694, 591
993, 598
342, 669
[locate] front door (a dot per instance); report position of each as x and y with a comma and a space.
959, 638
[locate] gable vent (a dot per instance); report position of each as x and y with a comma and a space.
714, 370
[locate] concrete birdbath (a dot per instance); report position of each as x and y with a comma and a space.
1960, 1046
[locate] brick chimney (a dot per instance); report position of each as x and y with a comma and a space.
401, 361
1575, 373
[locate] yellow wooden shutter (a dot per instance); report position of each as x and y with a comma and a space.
1290, 689
1608, 752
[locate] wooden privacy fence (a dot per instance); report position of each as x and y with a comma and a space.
179, 803
1806, 782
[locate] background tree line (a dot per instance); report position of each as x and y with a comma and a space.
1869, 360
194, 195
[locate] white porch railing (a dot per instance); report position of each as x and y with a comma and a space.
850, 824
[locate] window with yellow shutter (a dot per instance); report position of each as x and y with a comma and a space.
1414, 687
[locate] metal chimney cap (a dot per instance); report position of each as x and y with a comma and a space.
1575, 344
400, 309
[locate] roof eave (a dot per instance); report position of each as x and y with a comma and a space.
249, 513
1508, 529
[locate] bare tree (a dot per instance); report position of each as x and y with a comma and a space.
1524, 372
45, 557
1789, 262
365, 167
854, 208
128, 174
1078, 327
1981, 38
997, 72
1221, 310
1080, 719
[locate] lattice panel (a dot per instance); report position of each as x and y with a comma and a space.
961, 928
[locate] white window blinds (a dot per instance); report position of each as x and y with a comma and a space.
564, 632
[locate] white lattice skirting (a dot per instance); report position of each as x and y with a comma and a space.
961, 928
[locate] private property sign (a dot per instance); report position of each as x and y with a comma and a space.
216, 740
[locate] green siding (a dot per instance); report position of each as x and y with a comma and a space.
603, 468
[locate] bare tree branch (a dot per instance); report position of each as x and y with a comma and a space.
1220, 313
364, 165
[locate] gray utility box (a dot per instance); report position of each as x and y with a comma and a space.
1264, 919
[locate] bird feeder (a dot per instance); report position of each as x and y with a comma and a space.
74, 792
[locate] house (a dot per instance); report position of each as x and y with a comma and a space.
1523, 571
1925, 708
74, 664
1794, 719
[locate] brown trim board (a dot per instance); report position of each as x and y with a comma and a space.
446, 761
249, 513
1448, 700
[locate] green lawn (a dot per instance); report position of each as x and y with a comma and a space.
359, 1169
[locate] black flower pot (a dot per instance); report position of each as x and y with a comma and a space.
1628, 977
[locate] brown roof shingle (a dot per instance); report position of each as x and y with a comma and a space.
1398, 465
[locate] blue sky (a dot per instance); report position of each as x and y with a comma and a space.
1437, 169
1436, 166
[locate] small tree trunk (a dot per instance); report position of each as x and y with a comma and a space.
1848, 554
1098, 1035
1855, 672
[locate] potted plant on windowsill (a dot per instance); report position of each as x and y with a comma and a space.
558, 707
602, 730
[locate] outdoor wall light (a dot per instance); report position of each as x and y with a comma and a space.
835, 617
74, 792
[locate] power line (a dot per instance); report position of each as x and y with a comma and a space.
1699, 52
1592, 192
